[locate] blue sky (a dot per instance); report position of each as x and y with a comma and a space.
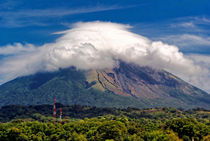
184, 23
33, 21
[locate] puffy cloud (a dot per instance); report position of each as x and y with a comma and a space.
201, 79
97, 45
17, 48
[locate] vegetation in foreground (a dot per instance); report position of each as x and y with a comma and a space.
106, 128
129, 124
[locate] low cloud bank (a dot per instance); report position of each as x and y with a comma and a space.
97, 45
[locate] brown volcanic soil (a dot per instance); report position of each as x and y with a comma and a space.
141, 82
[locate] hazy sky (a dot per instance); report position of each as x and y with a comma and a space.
180, 30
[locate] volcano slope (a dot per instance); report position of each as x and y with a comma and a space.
126, 85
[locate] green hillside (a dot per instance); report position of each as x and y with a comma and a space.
71, 86
68, 86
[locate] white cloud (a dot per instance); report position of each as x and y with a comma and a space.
16, 48
97, 45
191, 22
187, 40
184, 24
202, 79
188, 24
201, 20
56, 12
203, 60
30, 17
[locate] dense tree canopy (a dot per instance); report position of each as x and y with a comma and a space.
85, 123
106, 128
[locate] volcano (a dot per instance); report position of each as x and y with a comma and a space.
126, 85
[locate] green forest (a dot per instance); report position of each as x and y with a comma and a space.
85, 123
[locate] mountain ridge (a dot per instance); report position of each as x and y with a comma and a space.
127, 85
143, 76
